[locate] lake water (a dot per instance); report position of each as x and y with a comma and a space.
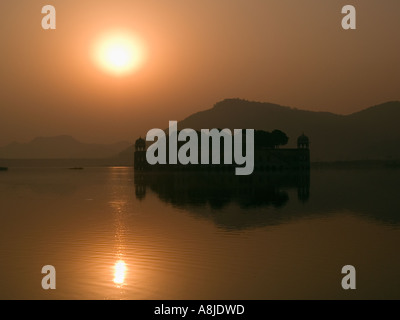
112, 234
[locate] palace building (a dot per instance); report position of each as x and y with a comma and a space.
266, 159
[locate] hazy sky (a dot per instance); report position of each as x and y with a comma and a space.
292, 53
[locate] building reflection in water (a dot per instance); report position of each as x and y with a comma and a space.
218, 189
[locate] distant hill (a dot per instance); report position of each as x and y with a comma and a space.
60, 147
371, 134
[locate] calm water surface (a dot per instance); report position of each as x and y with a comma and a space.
112, 234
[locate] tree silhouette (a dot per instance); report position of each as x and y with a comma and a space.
279, 138
274, 139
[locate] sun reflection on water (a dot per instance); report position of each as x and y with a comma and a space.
119, 273
120, 211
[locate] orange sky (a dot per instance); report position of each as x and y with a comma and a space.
292, 53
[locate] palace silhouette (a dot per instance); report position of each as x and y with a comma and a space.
266, 159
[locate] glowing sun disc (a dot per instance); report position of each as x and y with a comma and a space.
118, 52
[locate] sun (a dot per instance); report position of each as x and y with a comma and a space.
118, 52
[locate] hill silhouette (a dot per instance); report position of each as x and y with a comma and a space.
59, 147
371, 134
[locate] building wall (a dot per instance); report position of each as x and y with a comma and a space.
264, 160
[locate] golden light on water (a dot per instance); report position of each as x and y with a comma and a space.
120, 272
118, 52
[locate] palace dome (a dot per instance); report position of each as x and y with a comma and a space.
140, 144
303, 141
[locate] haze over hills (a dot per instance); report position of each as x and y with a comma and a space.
60, 147
371, 134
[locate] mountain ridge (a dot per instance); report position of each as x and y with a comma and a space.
368, 134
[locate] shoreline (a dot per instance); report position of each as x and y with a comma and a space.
112, 162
